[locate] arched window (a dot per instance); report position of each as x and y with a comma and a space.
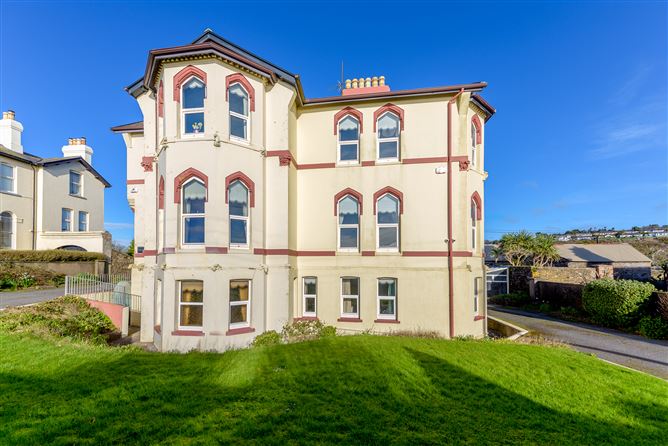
6, 230
238, 97
239, 212
349, 220
387, 223
473, 143
192, 106
388, 137
349, 137
192, 212
474, 224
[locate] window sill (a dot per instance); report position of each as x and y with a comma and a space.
478, 318
8, 192
237, 331
77, 196
306, 318
188, 333
349, 319
348, 164
386, 321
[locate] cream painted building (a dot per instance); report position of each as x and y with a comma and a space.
255, 206
49, 203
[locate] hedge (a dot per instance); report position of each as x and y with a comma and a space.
615, 303
52, 255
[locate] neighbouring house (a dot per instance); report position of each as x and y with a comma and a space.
49, 203
256, 206
626, 261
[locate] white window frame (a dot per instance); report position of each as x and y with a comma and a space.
393, 139
70, 212
240, 303
12, 178
81, 183
474, 141
388, 317
240, 116
185, 111
12, 237
86, 221
347, 226
477, 281
200, 304
474, 225
309, 296
388, 225
184, 215
347, 143
239, 217
350, 296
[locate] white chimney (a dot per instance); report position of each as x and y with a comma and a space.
78, 147
10, 131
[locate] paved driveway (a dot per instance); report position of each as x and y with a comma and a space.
12, 299
632, 351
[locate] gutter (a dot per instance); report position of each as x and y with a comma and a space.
451, 285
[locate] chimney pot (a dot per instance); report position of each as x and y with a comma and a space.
381, 80
374, 81
367, 82
9, 114
354, 83
348, 82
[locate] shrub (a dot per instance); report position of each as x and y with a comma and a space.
653, 327
299, 331
51, 255
14, 276
512, 299
270, 337
615, 302
545, 308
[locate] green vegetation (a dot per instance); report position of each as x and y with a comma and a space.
518, 299
522, 248
297, 331
67, 317
653, 327
615, 303
52, 255
344, 390
14, 277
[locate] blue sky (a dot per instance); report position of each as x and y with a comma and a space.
579, 138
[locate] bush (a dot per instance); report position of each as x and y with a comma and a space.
14, 277
653, 327
270, 337
51, 255
512, 299
305, 330
615, 303
545, 308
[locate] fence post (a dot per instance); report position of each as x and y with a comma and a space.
67, 285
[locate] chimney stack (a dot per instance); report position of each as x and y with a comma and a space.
78, 147
10, 131
363, 85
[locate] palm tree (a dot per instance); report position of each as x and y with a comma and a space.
543, 251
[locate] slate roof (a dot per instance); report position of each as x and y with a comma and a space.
600, 253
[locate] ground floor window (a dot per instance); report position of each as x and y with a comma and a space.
310, 296
66, 220
350, 296
240, 300
387, 298
191, 304
6, 230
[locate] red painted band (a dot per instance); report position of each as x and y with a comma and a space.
237, 331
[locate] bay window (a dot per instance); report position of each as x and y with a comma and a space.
191, 304
192, 212
192, 107
387, 298
350, 296
240, 301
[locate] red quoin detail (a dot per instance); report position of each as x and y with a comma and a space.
182, 76
388, 108
348, 111
464, 165
187, 174
238, 78
161, 193
392, 191
478, 129
343, 193
147, 163
478, 201
244, 179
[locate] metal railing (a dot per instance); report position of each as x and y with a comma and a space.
114, 289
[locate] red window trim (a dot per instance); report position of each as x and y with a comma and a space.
389, 107
343, 193
348, 111
349, 319
183, 76
238, 78
161, 193
244, 179
478, 129
187, 174
392, 191
478, 201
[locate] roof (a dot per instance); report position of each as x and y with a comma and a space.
133, 127
600, 253
45, 162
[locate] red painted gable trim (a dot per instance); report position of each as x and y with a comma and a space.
478, 201
183, 76
186, 175
391, 108
392, 191
244, 179
348, 111
478, 129
343, 193
238, 78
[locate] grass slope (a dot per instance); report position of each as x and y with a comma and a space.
348, 390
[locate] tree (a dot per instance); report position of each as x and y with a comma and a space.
516, 247
131, 248
543, 252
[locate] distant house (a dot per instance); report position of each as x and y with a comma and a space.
626, 261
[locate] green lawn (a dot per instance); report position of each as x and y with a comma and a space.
348, 390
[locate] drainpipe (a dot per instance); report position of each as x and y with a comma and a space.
451, 285
34, 207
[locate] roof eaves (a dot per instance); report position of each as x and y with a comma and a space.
133, 127
86, 164
482, 103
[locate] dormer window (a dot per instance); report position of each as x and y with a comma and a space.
348, 140
388, 137
192, 106
238, 97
